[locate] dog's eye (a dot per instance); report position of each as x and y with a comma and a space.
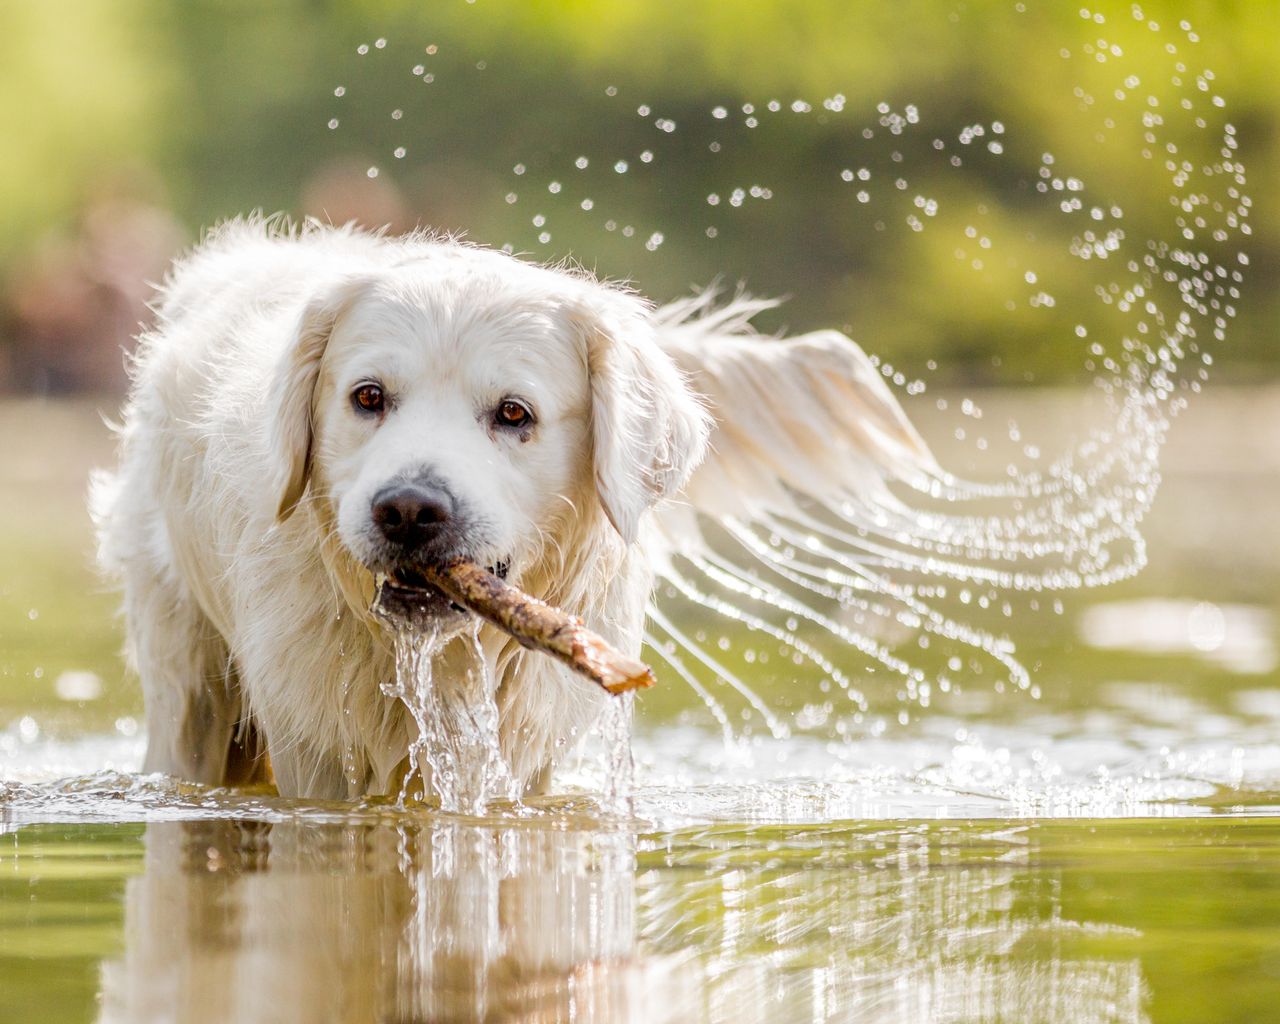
511, 413
368, 398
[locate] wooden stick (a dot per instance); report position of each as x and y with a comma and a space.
538, 626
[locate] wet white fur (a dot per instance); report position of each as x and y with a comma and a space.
239, 519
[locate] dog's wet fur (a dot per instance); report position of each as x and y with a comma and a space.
316, 409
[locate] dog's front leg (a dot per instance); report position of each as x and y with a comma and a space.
302, 770
188, 682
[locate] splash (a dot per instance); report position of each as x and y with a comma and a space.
449, 691
916, 580
907, 592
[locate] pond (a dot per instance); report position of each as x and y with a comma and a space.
1107, 851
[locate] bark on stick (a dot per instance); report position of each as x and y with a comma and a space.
538, 626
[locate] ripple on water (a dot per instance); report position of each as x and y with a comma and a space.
439, 919
1081, 764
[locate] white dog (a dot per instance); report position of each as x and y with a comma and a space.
316, 407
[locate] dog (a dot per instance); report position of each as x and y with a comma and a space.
316, 406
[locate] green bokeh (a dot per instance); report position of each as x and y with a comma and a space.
216, 108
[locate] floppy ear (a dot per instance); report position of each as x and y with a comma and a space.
292, 393
649, 430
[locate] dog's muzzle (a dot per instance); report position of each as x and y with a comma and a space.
418, 521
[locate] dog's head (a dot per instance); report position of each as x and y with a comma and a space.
468, 404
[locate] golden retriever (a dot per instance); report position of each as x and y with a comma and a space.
318, 406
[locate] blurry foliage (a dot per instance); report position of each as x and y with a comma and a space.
208, 108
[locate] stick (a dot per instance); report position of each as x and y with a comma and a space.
538, 626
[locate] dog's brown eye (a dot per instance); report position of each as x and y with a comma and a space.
368, 398
513, 414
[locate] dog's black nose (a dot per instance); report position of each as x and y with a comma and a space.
411, 514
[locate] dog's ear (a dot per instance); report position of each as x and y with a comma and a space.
292, 392
648, 428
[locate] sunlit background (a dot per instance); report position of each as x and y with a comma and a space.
131, 125
904, 172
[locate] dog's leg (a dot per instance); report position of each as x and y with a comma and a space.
303, 771
247, 760
192, 701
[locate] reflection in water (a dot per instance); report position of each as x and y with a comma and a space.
253, 922
548, 920
897, 926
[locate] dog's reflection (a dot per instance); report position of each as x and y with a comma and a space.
244, 921
536, 921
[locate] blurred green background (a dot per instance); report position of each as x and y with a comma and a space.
131, 124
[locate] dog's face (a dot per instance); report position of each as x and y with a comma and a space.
472, 405
451, 421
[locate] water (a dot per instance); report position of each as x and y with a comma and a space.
904, 923
890, 774
1106, 853
847, 893
455, 755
